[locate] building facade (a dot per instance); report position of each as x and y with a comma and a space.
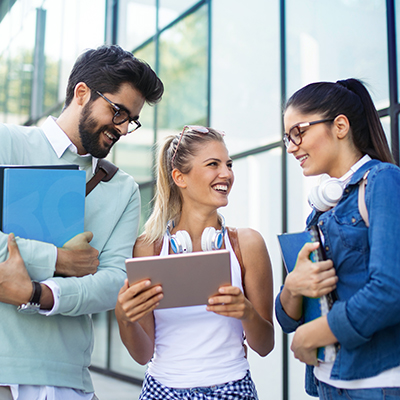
228, 64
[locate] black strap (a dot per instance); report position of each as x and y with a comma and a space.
36, 293
105, 170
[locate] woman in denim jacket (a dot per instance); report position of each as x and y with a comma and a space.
334, 128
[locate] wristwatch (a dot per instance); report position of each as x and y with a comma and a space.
33, 305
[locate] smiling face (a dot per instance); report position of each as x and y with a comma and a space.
319, 151
97, 131
210, 179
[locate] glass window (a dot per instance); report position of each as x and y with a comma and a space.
319, 48
18, 66
397, 22
75, 34
256, 202
183, 69
171, 9
146, 195
245, 95
121, 361
100, 323
134, 152
136, 22
385, 121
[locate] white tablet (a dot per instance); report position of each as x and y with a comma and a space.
187, 279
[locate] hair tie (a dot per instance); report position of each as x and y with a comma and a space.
343, 83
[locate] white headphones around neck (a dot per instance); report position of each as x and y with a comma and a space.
329, 192
211, 239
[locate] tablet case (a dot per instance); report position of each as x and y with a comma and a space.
187, 279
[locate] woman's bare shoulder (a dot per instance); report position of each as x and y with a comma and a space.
142, 247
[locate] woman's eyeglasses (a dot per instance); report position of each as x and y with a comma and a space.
192, 128
296, 135
121, 115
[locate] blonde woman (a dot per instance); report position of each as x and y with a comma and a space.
198, 352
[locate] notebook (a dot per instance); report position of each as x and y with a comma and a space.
43, 204
290, 245
187, 279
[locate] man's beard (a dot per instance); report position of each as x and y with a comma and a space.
91, 137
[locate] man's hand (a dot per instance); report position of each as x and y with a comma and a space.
77, 257
15, 283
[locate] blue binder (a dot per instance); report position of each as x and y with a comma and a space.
43, 204
291, 244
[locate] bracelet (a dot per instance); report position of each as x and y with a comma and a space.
36, 294
33, 305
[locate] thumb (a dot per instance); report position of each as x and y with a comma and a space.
12, 246
88, 236
307, 249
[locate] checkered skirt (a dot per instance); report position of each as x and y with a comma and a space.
243, 389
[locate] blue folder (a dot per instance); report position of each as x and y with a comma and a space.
291, 244
43, 204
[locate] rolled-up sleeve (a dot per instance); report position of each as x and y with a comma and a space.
376, 305
287, 323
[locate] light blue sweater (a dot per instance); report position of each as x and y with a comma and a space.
56, 350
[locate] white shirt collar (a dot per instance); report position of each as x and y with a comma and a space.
59, 140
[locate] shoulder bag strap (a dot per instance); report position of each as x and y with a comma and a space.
105, 170
233, 238
361, 199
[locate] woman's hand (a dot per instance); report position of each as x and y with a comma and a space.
311, 279
307, 279
301, 347
309, 337
137, 300
230, 302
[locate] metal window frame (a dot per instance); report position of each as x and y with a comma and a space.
392, 111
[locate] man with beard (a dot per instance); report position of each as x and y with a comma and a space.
46, 354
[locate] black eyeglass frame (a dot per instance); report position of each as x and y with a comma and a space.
119, 113
296, 135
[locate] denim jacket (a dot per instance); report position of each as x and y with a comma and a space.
366, 317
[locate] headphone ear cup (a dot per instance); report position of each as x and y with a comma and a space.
211, 239
326, 195
181, 242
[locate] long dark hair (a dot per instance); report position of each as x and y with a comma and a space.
350, 98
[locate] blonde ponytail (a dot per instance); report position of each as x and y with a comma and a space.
167, 199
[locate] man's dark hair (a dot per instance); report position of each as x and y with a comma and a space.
106, 68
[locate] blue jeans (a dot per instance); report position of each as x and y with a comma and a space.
327, 392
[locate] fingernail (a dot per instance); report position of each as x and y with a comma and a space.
210, 301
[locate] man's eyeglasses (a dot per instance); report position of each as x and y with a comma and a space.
195, 129
296, 134
121, 115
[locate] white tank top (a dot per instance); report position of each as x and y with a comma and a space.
195, 347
